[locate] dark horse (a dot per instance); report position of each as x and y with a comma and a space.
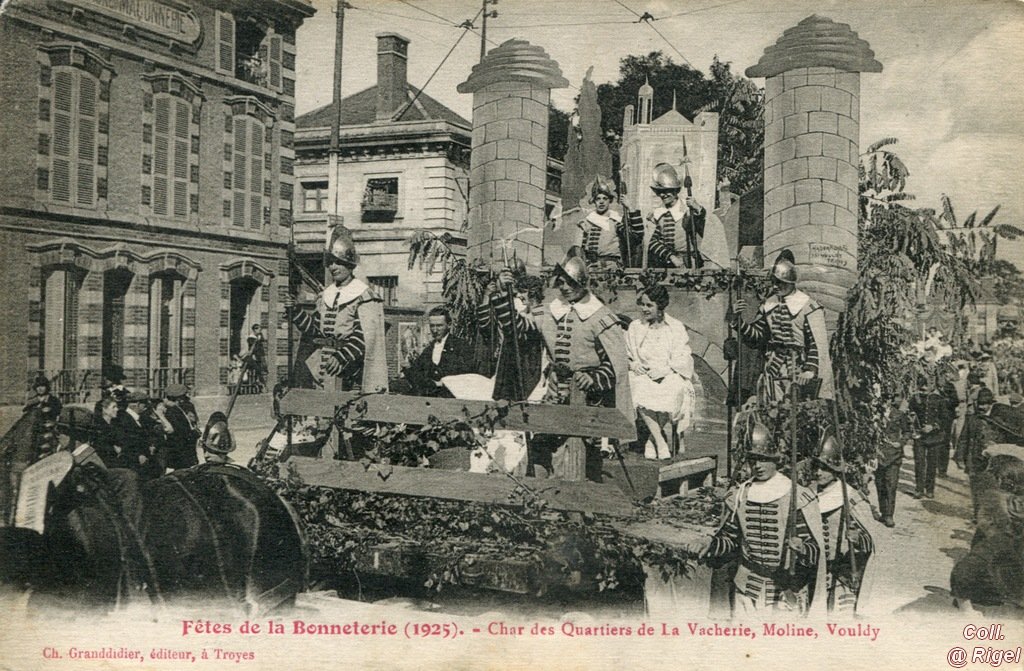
208, 532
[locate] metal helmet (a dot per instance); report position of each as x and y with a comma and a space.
761, 443
574, 271
784, 270
665, 178
601, 185
216, 437
342, 247
830, 454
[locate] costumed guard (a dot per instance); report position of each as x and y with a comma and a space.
780, 565
344, 345
844, 533
789, 320
587, 348
604, 235
675, 237
519, 367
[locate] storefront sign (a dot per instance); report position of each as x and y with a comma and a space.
177, 23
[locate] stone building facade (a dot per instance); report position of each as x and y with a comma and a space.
147, 189
402, 168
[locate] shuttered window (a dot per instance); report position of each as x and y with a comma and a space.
274, 62
171, 146
225, 43
247, 173
74, 151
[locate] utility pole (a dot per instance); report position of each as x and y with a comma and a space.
483, 29
334, 147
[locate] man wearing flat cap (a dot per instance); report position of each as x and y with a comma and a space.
180, 432
140, 437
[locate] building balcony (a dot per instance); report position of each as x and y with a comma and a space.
380, 207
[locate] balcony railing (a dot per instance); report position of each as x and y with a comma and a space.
158, 379
380, 206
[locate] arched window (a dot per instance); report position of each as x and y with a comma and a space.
73, 147
248, 152
170, 137
59, 322
166, 297
73, 125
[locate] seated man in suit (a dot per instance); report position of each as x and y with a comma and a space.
446, 355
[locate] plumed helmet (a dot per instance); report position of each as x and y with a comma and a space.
216, 437
601, 185
830, 454
762, 447
784, 268
573, 271
342, 247
665, 178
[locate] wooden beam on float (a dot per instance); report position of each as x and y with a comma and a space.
564, 420
490, 488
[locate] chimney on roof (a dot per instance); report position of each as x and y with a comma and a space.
392, 62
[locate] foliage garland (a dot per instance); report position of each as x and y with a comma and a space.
343, 525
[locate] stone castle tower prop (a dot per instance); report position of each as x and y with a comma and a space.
647, 141
511, 90
812, 152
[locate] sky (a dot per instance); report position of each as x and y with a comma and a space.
951, 89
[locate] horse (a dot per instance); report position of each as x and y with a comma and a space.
210, 532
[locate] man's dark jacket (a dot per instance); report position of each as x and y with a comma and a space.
456, 359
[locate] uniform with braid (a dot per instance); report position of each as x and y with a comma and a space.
584, 337
601, 238
677, 230
531, 346
781, 326
842, 590
755, 530
345, 334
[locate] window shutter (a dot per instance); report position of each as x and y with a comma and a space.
181, 157
86, 168
63, 93
225, 38
161, 154
274, 62
256, 178
238, 209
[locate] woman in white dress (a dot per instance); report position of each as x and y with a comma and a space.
660, 372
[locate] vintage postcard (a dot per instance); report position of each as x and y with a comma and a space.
510, 334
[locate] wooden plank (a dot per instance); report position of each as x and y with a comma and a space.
685, 468
590, 497
672, 535
538, 418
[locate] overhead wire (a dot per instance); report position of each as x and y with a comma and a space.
465, 31
401, 16
647, 19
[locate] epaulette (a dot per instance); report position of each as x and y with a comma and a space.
804, 496
607, 320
